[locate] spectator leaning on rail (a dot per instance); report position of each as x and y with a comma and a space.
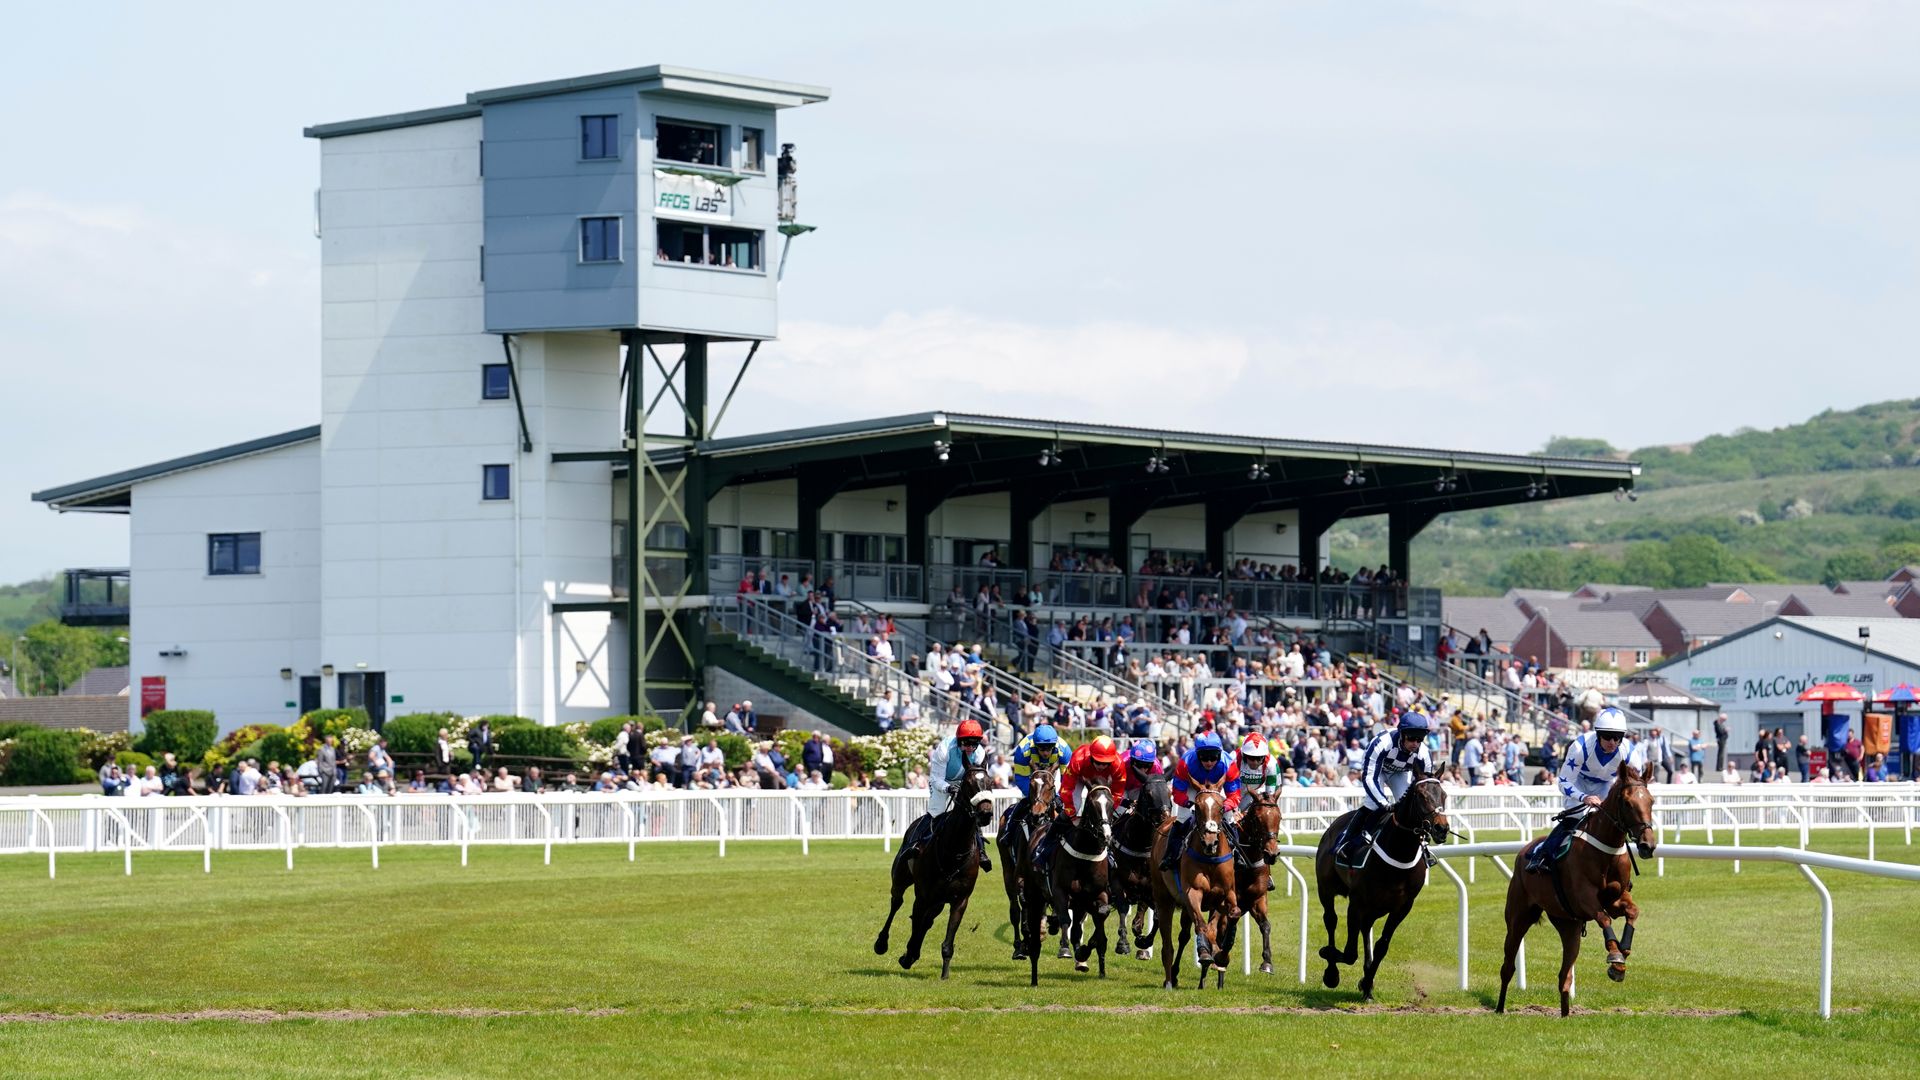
1592, 762
946, 765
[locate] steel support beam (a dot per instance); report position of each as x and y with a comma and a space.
1403, 524
1125, 508
815, 488
1223, 512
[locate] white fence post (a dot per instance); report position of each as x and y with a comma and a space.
1461, 888
1826, 941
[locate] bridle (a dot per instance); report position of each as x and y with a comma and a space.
1269, 841
1610, 810
1214, 829
1426, 827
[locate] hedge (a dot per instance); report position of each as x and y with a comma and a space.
48, 756
188, 733
542, 742
603, 730
325, 722
416, 733
13, 729
280, 746
133, 761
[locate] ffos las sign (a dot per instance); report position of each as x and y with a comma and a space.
680, 193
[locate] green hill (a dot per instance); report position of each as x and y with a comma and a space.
1835, 497
24, 604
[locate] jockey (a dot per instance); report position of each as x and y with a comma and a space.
1202, 766
1588, 771
1098, 762
1258, 773
946, 765
1392, 759
1040, 750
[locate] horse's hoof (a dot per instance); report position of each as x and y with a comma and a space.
1327, 954
1080, 966
906, 962
1266, 969
880, 945
1331, 980
1018, 955
1617, 972
1146, 954
1066, 952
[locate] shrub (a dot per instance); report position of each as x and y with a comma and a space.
189, 733
416, 733
13, 729
233, 742
324, 722
603, 730
737, 749
47, 756
281, 745
536, 741
132, 761
97, 749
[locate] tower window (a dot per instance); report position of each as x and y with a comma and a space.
496, 482
599, 137
600, 239
753, 156
695, 144
233, 553
496, 382
718, 246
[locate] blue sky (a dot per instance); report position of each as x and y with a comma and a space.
1471, 223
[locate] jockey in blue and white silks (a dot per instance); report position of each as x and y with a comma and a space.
1593, 760
1391, 762
946, 765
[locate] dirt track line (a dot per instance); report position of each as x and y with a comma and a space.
1278, 1010
273, 1016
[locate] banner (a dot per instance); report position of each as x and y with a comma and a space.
1607, 682
1770, 689
680, 193
153, 693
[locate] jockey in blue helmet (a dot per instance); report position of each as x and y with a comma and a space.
1040, 750
1392, 760
1204, 766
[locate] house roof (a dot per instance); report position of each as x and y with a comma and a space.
1601, 630
1869, 588
1599, 591
103, 713
1892, 637
1822, 602
101, 681
1501, 617
1711, 618
658, 78
113, 493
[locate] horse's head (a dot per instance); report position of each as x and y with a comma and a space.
976, 792
1209, 816
1423, 809
1629, 805
1260, 825
1096, 814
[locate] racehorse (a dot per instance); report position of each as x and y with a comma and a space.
1387, 881
1593, 881
1253, 865
1026, 886
1134, 832
1079, 879
1201, 883
944, 873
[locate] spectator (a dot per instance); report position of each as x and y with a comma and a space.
1697, 754
883, 711
378, 758
532, 782
769, 775
170, 778
1877, 772
689, 761
1803, 759
880, 781
1720, 740
622, 747
150, 785
217, 781
480, 744
419, 782
246, 779
111, 782
663, 758
443, 755
504, 782
324, 760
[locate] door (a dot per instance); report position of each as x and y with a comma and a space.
309, 693
366, 690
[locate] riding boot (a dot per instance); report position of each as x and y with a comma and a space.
1540, 860
1359, 827
916, 837
1176, 839
986, 863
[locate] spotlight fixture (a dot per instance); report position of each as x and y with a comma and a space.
941, 448
1047, 457
1156, 464
1257, 471
1351, 478
1632, 495
1535, 489
1446, 482
1619, 494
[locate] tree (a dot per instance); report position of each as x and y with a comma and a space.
59, 655
1538, 568
1697, 560
1850, 565
1645, 563
1575, 446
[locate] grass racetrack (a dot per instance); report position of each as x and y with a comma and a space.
761, 963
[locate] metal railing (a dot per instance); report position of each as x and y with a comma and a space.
95, 597
872, 582
916, 644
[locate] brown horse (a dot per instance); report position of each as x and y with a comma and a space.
1027, 887
944, 873
1386, 883
1081, 885
1134, 832
1200, 886
1253, 869
1594, 881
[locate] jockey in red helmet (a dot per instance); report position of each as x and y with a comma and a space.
1098, 762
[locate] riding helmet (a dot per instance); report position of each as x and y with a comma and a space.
969, 729
1611, 721
1206, 742
1142, 751
1254, 745
1414, 721
1103, 751
1044, 735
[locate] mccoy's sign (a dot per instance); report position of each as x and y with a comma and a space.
679, 193
1771, 688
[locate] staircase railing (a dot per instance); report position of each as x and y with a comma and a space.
918, 643
1071, 666
842, 662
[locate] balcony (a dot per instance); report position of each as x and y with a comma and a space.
95, 597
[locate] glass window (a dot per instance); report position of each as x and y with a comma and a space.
600, 239
496, 482
695, 144
233, 553
496, 382
599, 137
753, 156
708, 245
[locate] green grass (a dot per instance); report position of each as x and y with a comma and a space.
762, 963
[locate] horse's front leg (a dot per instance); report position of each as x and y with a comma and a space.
1569, 952
1266, 935
1378, 952
1192, 900
1121, 907
954, 914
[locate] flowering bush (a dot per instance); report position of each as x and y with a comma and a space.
896, 751
359, 740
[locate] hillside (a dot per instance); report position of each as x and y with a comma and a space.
24, 604
1836, 496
